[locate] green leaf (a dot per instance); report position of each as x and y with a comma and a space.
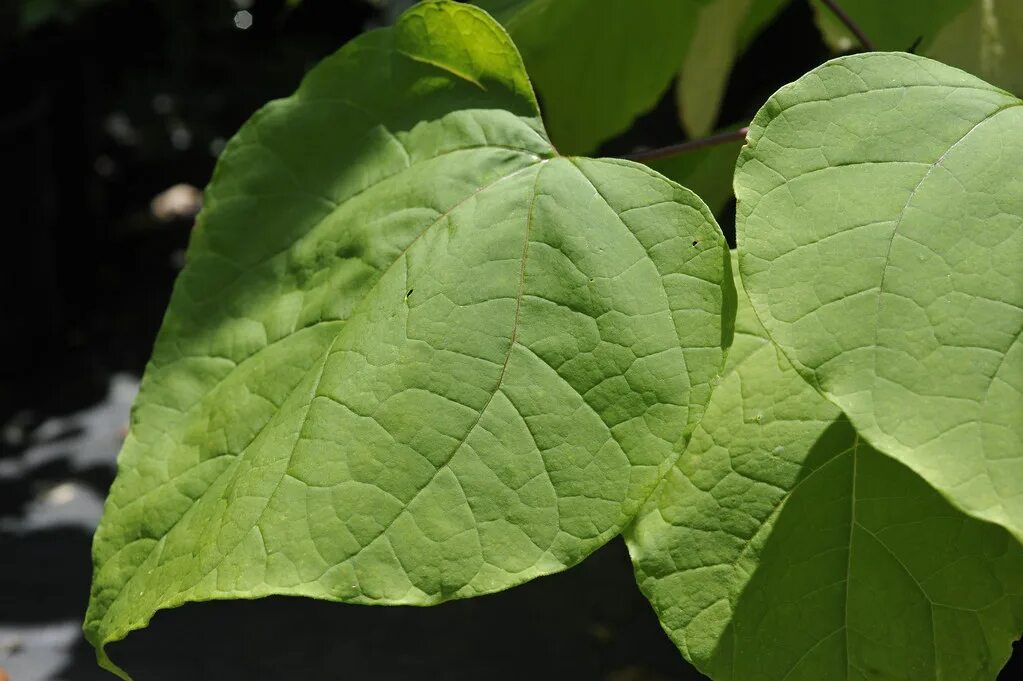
986, 39
598, 63
415, 355
724, 30
880, 230
36, 13
708, 172
889, 25
782, 546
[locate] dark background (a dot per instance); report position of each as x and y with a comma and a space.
105, 105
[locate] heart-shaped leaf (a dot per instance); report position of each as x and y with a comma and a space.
782, 546
415, 355
880, 229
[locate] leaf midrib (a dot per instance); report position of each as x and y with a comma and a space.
500, 380
356, 310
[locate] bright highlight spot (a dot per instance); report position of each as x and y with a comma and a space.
242, 19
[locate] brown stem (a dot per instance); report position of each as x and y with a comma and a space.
844, 17
691, 145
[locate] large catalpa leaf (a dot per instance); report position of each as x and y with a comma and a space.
415, 355
880, 228
782, 546
598, 63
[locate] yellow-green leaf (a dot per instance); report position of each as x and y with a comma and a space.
415, 354
880, 231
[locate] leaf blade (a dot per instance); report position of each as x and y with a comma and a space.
782, 546
414, 355
896, 229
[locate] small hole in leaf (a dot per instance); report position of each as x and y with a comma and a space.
409, 293
696, 243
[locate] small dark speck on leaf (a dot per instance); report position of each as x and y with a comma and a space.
409, 293
696, 243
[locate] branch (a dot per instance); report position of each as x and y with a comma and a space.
692, 145
844, 17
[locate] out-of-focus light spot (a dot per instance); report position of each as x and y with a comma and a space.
120, 128
104, 166
242, 20
180, 136
61, 494
242, 4
163, 103
177, 259
182, 201
16, 430
217, 145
